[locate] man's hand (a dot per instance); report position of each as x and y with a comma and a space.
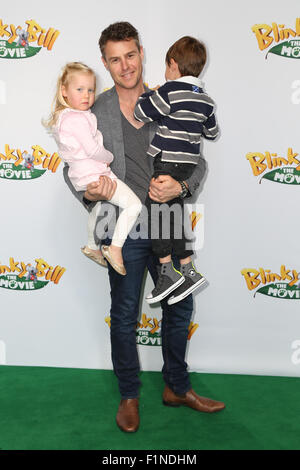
164, 188
102, 190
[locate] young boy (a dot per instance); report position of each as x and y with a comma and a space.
184, 113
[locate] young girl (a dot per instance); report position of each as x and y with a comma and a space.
80, 144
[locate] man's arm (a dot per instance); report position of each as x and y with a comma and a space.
78, 194
164, 188
103, 190
193, 182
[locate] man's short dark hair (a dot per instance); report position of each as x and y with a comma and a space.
189, 54
121, 31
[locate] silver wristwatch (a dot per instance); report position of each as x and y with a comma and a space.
184, 190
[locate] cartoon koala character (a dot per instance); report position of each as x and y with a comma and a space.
28, 162
23, 38
31, 273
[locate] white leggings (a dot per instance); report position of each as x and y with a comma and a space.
124, 198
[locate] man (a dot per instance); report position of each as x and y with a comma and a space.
128, 140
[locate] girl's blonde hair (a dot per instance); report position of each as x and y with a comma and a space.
59, 102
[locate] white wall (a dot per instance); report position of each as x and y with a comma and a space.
247, 224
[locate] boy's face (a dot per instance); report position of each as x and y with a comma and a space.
124, 62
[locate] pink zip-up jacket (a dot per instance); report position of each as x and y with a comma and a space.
80, 144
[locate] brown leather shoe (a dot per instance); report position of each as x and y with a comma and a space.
128, 418
192, 400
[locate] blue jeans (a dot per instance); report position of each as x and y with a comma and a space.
125, 309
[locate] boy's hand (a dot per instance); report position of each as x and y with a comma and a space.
155, 88
164, 188
102, 190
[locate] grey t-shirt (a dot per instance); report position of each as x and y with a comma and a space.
138, 163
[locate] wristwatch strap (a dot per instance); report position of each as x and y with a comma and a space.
184, 190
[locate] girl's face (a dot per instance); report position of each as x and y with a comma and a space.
79, 93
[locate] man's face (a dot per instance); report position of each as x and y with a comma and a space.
124, 62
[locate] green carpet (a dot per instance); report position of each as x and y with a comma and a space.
74, 409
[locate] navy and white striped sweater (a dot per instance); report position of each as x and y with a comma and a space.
184, 113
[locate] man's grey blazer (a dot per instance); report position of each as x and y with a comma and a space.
107, 111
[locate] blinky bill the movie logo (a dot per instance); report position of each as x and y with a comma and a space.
287, 39
18, 275
285, 285
148, 330
20, 49
24, 164
285, 170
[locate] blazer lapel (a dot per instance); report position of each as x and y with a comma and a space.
114, 128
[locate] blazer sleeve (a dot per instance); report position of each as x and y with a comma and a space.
78, 194
198, 175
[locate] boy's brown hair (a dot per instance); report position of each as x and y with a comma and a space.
120, 31
189, 54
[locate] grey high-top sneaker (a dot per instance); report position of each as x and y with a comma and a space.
192, 281
168, 280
